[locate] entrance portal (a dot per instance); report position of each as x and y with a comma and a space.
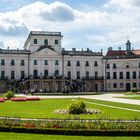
128, 87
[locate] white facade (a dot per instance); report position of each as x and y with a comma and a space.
44, 57
127, 73
44, 62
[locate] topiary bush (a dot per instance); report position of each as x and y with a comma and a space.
77, 107
134, 90
9, 94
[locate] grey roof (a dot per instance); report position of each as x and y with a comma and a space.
81, 53
45, 33
10, 51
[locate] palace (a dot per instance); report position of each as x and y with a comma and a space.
44, 66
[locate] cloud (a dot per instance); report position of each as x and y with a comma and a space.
10, 29
2, 45
58, 12
106, 26
123, 4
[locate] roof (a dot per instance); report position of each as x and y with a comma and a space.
136, 52
81, 53
11, 51
116, 53
122, 54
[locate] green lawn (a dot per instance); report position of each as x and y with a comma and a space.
45, 108
23, 136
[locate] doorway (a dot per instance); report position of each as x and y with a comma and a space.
128, 87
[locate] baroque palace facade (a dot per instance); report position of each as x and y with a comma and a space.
44, 66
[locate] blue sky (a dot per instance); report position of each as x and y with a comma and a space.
94, 24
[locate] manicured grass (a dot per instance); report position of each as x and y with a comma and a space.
24, 136
45, 108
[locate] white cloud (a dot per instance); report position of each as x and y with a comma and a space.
2, 45
100, 27
123, 4
12, 44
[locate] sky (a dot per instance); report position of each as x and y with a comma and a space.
93, 24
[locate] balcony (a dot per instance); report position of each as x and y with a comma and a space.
93, 78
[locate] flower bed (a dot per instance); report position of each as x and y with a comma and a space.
1, 99
25, 99
18, 99
33, 99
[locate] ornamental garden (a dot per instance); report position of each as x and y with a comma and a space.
68, 116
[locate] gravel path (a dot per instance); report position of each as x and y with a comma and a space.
104, 97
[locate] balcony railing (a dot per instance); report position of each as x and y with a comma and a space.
93, 78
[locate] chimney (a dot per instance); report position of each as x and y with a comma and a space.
73, 49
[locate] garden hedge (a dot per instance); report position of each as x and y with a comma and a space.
69, 132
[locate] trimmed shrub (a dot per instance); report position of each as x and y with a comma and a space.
9, 94
134, 90
77, 107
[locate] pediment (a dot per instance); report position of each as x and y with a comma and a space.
127, 65
46, 52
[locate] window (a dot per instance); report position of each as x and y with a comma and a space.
35, 41
108, 75
78, 74
127, 66
56, 41
46, 42
69, 74
69, 63
139, 74
114, 66
121, 75
2, 62
139, 65
12, 62
114, 75
87, 63
96, 74
56, 73
56, 62
134, 85
46, 73
35, 73
12, 74
114, 85
78, 63
134, 75
22, 63
121, 85
107, 66
46, 62
22, 74
2, 74
35, 62
95, 63
87, 74
127, 75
